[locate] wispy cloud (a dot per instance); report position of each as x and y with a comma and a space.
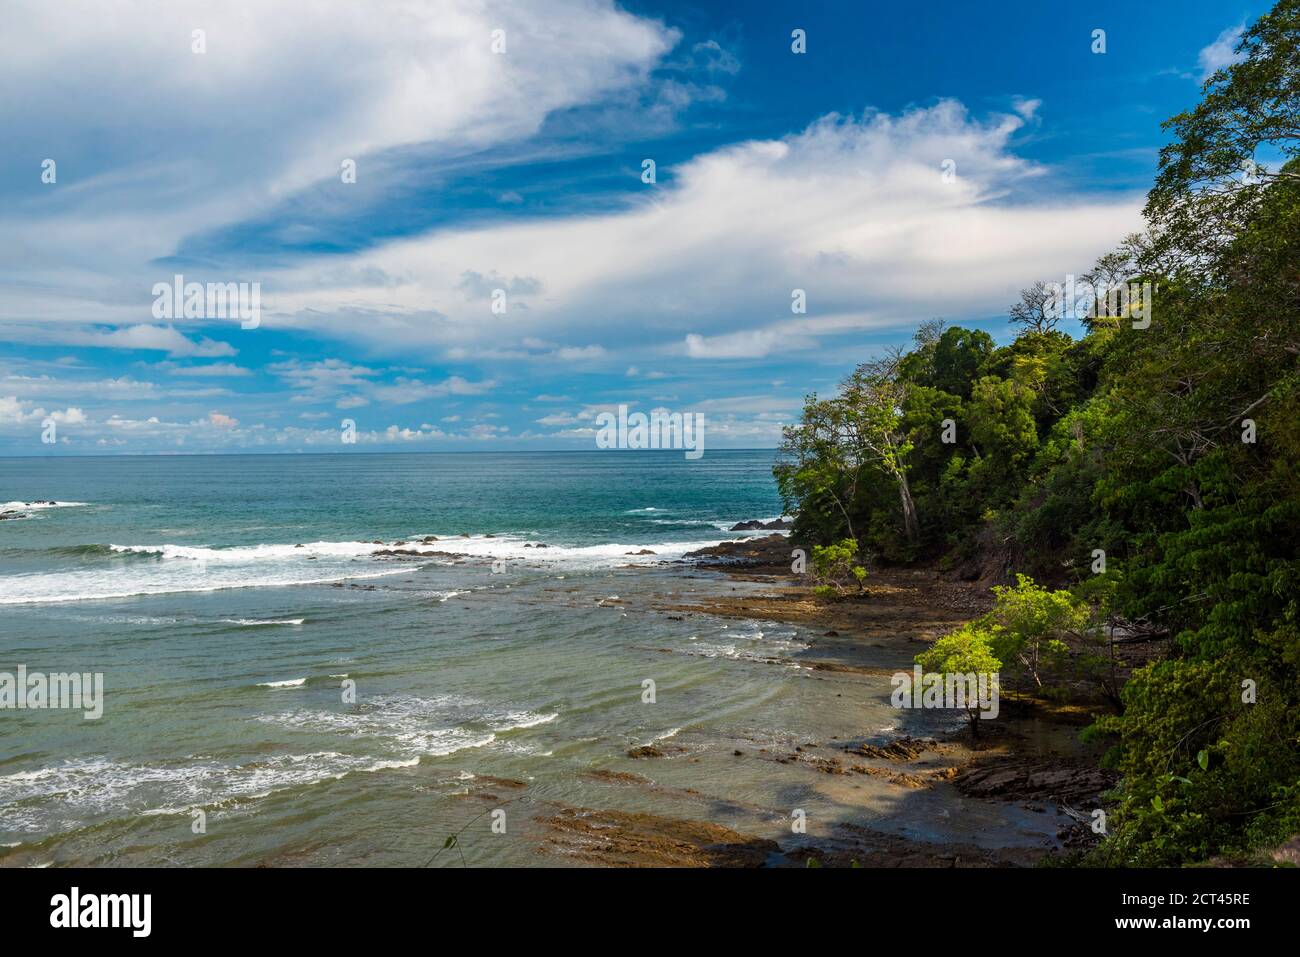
1221, 53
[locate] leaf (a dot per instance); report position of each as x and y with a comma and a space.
1203, 759
450, 842
1158, 804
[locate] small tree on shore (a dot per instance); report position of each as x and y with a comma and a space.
1027, 625
835, 566
964, 651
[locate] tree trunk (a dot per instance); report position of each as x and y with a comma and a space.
910, 525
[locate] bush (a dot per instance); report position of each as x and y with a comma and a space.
835, 567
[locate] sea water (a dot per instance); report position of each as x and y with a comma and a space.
278, 690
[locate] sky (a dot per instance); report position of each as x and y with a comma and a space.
446, 212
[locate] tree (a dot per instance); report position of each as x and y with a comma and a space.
1038, 310
876, 393
834, 566
839, 442
1210, 176
1108, 273
965, 651
1028, 625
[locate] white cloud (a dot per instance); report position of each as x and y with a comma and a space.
1220, 53
284, 93
214, 369
321, 377
120, 388
151, 338
558, 418
403, 390
853, 210
579, 353
15, 412
753, 344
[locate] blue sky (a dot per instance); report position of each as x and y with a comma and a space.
520, 171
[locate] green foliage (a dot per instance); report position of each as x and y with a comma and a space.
1028, 626
968, 650
1174, 449
965, 652
835, 567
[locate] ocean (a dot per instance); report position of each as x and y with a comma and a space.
281, 689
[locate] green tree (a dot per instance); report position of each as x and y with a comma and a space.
964, 651
835, 566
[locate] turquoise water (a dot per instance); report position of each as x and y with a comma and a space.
231, 602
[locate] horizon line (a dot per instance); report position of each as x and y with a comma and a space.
126, 455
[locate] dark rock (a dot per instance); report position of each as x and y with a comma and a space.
754, 525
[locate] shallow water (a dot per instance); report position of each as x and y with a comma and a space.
226, 651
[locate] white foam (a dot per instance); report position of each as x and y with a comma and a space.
38, 506
518, 720
243, 554
196, 568
412, 724
100, 584
62, 796
565, 556
262, 621
291, 683
415, 725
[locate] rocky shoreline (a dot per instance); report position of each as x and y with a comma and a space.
900, 609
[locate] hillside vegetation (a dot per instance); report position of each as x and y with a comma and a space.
1144, 473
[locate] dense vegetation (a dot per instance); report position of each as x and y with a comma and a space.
1148, 477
